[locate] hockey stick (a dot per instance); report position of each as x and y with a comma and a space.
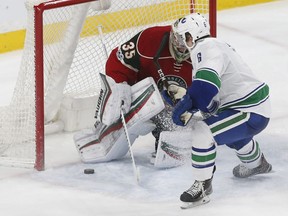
156, 58
102, 40
188, 115
135, 169
159, 69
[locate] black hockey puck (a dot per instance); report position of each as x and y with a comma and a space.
89, 171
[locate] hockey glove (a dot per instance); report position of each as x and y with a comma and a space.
173, 94
182, 111
168, 98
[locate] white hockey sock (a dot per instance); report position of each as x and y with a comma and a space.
203, 162
203, 152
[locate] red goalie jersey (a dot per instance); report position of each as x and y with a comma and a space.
133, 60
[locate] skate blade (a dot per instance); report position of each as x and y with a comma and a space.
187, 205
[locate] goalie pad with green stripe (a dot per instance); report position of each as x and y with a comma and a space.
108, 142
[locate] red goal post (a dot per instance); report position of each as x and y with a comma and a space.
62, 58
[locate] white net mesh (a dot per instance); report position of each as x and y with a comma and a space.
17, 121
73, 57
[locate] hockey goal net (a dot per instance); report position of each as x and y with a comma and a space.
58, 81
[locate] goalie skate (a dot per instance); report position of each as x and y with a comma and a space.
197, 194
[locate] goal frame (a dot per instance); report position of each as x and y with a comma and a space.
39, 66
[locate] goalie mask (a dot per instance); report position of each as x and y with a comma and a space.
178, 51
194, 25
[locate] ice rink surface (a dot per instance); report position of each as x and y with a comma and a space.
259, 34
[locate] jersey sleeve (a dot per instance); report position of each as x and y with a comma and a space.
124, 62
128, 53
208, 64
204, 91
119, 72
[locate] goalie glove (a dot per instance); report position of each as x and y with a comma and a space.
173, 94
113, 97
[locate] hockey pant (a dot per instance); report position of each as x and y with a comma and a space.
237, 130
108, 142
233, 128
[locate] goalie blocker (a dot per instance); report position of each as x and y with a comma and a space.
107, 140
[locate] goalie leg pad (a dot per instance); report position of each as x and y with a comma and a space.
174, 149
93, 148
105, 143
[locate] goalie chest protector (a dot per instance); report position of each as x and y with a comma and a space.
133, 60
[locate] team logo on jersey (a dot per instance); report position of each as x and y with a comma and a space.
172, 79
120, 55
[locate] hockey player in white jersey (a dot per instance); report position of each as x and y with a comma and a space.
236, 104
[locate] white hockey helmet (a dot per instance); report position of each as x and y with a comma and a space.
195, 25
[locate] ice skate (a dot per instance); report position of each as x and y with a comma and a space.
241, 171
197, 194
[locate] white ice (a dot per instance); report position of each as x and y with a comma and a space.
259, 34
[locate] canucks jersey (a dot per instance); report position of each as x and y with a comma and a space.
222, 80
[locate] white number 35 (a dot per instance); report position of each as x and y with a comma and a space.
129, 50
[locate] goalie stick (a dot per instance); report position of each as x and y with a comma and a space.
156, 58
135, 169
159, 69
187, 115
